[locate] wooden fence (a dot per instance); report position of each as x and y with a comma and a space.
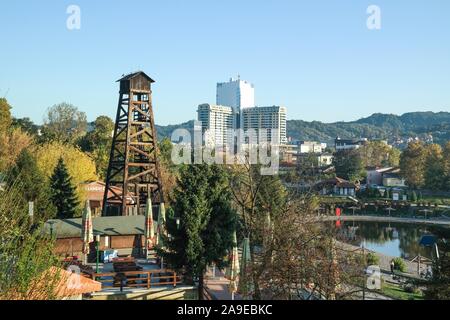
138, 279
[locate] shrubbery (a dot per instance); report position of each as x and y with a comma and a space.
399, 265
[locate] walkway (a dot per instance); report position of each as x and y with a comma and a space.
218, 286
431, 221
385, 261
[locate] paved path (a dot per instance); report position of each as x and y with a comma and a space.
385, 261
432, 221
218, 286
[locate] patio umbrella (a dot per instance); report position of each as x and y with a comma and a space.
233, 269
149, 232
161, 228
245, 285
87, 231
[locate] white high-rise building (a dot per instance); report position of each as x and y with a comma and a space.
237, 94
272, 119
236, 109
217, 121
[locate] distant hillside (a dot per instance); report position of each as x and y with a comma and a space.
381, 126
384, 126
166, 131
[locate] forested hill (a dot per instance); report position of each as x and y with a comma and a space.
385, 126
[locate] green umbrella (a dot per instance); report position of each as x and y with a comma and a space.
149, 231
87, 230
245, 281
233, 269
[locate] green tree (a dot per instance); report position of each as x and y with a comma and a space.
412, 164
207, 221
98, 143
348, 165
376, 154
446, 157
26, 125
27, 253
5, 116
394, 157
434, 174
64, 196
33, 184
64, 123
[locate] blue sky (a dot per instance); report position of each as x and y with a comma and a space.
317, 58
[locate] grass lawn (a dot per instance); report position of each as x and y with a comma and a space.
398, 293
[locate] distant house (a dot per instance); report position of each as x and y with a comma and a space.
392, 178
349, 144
375, 175
94, 191
320, 159
122, 233
337, 186
311, 147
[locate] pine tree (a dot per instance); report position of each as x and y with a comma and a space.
63, 192
207, 221
33, 184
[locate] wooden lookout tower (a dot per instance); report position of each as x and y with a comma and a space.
133, 172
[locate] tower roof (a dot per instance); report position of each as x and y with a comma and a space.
134, 75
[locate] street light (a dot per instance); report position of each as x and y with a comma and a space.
178, 223
51, 223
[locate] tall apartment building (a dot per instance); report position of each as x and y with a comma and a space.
236, 109
237, 94
218, 120
272, 119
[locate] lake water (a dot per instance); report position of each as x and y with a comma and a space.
393, 239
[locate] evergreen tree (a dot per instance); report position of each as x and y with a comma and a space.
33, 185
207, 221
63, 192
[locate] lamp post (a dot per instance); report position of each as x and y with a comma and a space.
178, 223
97, 245
51, 223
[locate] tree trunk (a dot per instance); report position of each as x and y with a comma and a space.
200, 287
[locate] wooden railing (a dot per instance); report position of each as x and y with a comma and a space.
207, 294
138, 279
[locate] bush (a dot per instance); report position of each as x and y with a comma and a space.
399, 265
411, 288
372, 259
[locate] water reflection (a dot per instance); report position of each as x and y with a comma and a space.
393, 239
